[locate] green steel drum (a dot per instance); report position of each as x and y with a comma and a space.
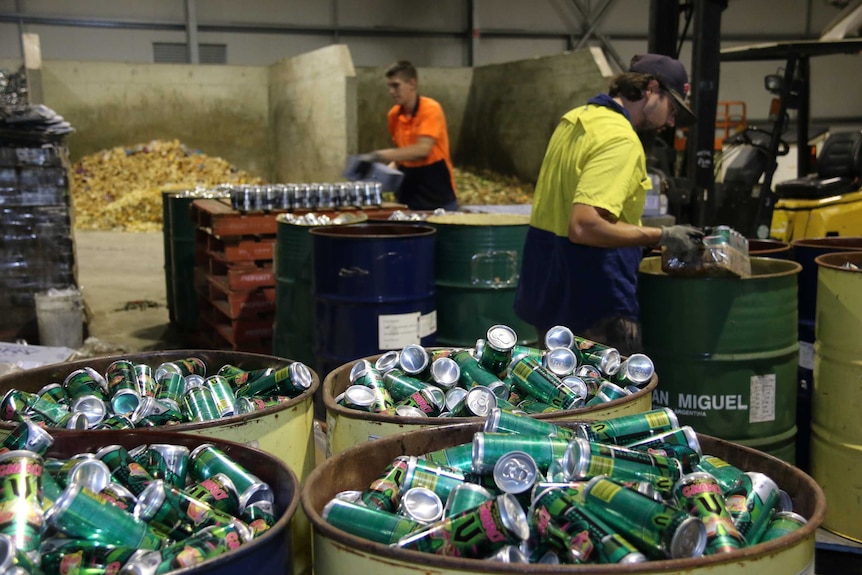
337, 552
166, 236
836, 441
726, 350
182, 239
477, 262
293, 329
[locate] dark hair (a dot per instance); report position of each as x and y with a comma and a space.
630, 85
402, 68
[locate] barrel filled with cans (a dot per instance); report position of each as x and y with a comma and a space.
138, 503
476, 268
726, 350
569, 377
836, 461
259, 400
513, 494
293, 329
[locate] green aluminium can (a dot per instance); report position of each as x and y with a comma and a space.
50, 490
464, 497
125, 401
237, 377
218, 492
384, 492
533, 379
200, 405
121, 375
85, 381
54, 392
15, 404
366, 375
424, 401
561, 506
81, 514
726, 474
169, 462
29, 437
170, 388
119, 496
499, 421
606, 393
146, 380
116, 422
684, 436
185, 366
208, 460
782, 523
21, 498
368, 522
488, 448
205, 544
700, 495
637, 369
474, 533
259, 516
477, 402
291, 380
663, 465
519, 351
124, 469
459, 457
628, 428
154, 507
195, 511
533, 406
605, 358
496, 353
400, 385
581, 464
225, 400
422, 473
89, 471
472, 374
54, 414
658, 530
573, 548
752, 504
86, 557
686, 456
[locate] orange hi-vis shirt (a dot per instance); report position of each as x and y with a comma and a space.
428, 183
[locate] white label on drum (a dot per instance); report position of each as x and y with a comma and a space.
806, 355
428, 324
398, 330
762, 402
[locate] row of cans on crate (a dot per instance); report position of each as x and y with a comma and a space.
623, 490
132, 394
147, 510
295, 196
569, 373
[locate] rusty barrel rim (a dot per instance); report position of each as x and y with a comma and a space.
835, 260
365, 230
765, 248
403, 442
329, 402
832, 243
269, 464
55, 371
761, 268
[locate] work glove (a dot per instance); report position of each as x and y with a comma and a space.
681, 240
366, 164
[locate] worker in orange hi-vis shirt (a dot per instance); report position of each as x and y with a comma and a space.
418, 128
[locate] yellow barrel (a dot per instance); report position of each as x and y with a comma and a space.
284, 430
348, 427
337, 552
836, 441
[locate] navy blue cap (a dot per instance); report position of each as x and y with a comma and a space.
672, 76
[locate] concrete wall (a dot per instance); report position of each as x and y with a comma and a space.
513, 109
449, 86
220, 110
313, 115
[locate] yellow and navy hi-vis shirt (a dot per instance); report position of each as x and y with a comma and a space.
595, 158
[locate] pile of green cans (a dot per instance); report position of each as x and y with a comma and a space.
625, 490
147, 510
132, 395
570, 372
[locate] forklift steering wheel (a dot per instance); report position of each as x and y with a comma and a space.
745, 136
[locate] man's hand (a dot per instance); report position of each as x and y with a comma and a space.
681, 239
366, 163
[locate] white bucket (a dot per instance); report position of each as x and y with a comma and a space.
60, 316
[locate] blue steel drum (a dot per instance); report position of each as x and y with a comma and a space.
804, 252
373, 288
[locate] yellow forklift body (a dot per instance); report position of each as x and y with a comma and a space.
832, 216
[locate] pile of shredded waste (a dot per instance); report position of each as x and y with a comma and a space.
121, 188
485, 188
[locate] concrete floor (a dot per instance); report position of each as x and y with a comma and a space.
122, 279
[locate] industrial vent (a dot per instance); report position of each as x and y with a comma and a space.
178, 53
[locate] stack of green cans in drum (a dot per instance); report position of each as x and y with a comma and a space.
129, 395
625, 490
569, 372
149, 510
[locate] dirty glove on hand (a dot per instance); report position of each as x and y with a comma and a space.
681, 239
